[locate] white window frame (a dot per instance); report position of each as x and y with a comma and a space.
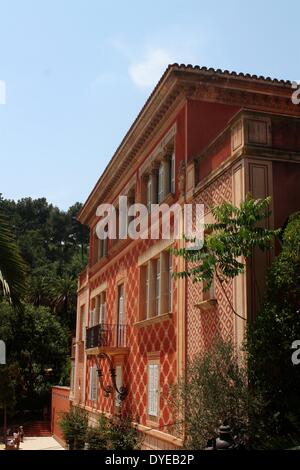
93, 383
147, 282
92, 317
153, 389
102, 308
102, 314
121, 319
157, 285
170, 282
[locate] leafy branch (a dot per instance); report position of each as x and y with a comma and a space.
228, 243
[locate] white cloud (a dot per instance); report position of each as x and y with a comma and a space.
147, 72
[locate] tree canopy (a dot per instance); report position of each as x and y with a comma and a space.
54, 246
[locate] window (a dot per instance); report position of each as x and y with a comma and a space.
119, 383
149, 193
156, 286
102, 309
161, 185
73, 376
121, 317
153, 384
93, 319
93, 383
170, 282
98, 312
172, 173
82, 323
152, 189
100, 248
147, 293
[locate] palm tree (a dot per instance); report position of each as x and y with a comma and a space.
12, 265
64, 297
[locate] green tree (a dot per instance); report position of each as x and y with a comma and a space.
8, 375
228, 243
38, 344
270, 338
12, 266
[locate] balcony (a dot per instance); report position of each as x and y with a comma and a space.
110, 338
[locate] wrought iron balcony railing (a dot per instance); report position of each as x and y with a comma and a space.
106, 335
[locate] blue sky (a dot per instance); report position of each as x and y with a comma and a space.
77, 73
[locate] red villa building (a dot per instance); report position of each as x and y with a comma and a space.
203, 136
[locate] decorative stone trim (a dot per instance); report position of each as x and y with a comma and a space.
152, 320
207, 304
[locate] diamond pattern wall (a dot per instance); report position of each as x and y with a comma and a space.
159, 337
201, 327
204, 326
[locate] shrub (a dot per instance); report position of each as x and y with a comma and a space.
74, 425
97, 438
216, 391
115, 433
123, 435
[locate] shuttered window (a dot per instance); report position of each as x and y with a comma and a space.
157, 287
93, 383
82, 323
172, 173
119, 382
102, 307
102, 313
147, 296
121, 317
121, 312
73, 377
93, 317
170, 282
160, 190
153, 380
149, 193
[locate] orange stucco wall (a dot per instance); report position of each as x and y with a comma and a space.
204, 122
286, 181
60, 403
198, 123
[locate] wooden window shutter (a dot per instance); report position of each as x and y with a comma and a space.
164, 263
119, 382
153, 389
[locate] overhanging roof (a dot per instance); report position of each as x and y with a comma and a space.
176, 78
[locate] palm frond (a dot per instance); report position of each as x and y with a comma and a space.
12, 265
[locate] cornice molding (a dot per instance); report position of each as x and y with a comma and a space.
179, 82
